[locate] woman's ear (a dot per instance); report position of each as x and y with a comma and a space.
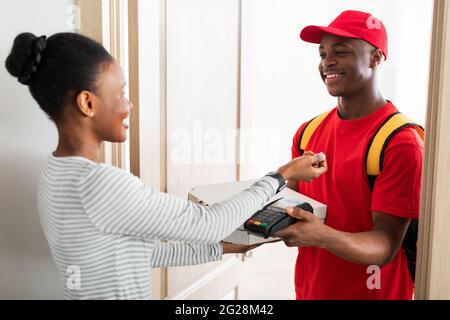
376, 58
86, 103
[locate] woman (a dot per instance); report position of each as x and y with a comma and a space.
100, 221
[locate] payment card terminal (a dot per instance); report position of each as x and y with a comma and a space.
273, 217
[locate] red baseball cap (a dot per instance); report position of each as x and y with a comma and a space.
351, 24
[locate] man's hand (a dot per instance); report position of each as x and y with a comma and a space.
309, 231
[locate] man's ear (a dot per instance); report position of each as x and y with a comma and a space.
376, 58
86, 103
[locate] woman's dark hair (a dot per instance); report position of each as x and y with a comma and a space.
57, 69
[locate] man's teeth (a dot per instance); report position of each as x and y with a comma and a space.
331, 76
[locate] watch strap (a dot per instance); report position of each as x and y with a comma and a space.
281, 182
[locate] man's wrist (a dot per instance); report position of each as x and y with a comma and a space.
328, 237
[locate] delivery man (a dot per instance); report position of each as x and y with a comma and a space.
366, 218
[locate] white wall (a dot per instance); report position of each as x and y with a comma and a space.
281, 87
27, 137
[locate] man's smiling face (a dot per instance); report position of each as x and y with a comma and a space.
346, 64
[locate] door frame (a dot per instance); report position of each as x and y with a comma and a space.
112, 31
433, 256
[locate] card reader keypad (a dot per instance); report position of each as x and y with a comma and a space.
271, 219
265, 218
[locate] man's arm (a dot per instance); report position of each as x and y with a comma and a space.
376, 247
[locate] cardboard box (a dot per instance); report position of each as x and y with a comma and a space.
210, 194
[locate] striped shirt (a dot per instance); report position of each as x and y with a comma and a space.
105, 227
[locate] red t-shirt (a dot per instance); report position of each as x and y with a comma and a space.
344, 189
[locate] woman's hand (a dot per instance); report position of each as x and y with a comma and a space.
305, 168
242, 248
237, 248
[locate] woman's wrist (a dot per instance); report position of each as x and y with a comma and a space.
285, 172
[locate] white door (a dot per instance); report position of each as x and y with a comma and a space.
202, 114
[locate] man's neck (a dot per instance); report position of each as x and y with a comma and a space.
360, 106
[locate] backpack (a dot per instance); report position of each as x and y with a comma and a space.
373, 161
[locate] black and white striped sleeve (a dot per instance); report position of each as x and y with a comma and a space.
119, 203
167, 254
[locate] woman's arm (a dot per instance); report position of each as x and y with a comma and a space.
119, 203
167, 254
292, 184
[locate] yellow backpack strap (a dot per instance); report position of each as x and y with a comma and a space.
375, 152
310, 129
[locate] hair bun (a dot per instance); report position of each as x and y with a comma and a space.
25, 56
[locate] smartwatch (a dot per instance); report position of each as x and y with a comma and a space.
281, 182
